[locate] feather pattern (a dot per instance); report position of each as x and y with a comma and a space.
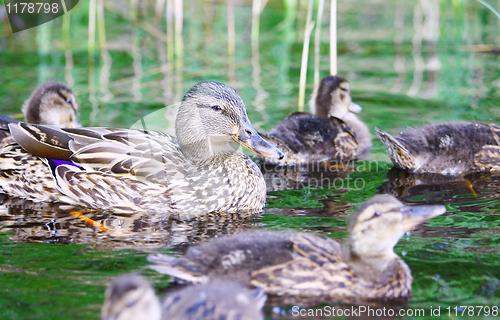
138, 170
331, 132
303, 265
445, 148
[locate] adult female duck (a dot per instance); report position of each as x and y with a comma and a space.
137, 170
332, 131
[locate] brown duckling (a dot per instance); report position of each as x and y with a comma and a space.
309, 265
131, 297
52, 103
332, 131
446, 148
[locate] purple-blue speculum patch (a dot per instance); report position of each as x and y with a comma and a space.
57, 163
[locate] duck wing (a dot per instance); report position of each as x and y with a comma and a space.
232, 257
145, 155
123, 170
318, 266
488, 159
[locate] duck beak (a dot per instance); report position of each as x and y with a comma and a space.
415, 215
249, 138
355, 108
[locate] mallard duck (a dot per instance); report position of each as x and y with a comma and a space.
131, 297
305, 265
446, 148
125, 170
52, 103
332, 131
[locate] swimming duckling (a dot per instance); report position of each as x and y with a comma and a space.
332, 131
130, 297
305, 264
125, 170
446, 148
52, 103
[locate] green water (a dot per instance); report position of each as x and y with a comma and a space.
54, 265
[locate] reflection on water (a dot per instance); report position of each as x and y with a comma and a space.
429, 188
26, 221
317, 175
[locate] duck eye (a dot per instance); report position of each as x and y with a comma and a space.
345, 89
378, 213
69, 101
216, 108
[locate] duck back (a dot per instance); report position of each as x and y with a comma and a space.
448, 148
314, 138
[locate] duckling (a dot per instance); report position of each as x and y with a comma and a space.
124, 170
131, 297
445, 148
217, 299
52, 103
332, 132
309, 265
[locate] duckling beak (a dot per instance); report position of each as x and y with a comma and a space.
415, 215
355, 108
249, 138
74, 124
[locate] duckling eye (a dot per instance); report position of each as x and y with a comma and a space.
216, 108
378, 213
69, 101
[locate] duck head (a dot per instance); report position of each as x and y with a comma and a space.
54, 104
332, 97
381, 221
130, 297
210, 116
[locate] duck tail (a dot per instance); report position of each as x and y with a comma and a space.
5, 121
165, 264
390, 142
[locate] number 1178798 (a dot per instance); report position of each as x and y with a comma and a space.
27, 7
473, 311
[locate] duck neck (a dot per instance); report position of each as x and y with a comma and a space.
319, 105
370, 252
207, 149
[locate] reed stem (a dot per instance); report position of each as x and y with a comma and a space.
231, 39
317, 42
333, 38
303, 66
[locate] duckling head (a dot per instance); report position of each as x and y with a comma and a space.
381, 221
210, 116
52, 103
332, 97
130, 297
